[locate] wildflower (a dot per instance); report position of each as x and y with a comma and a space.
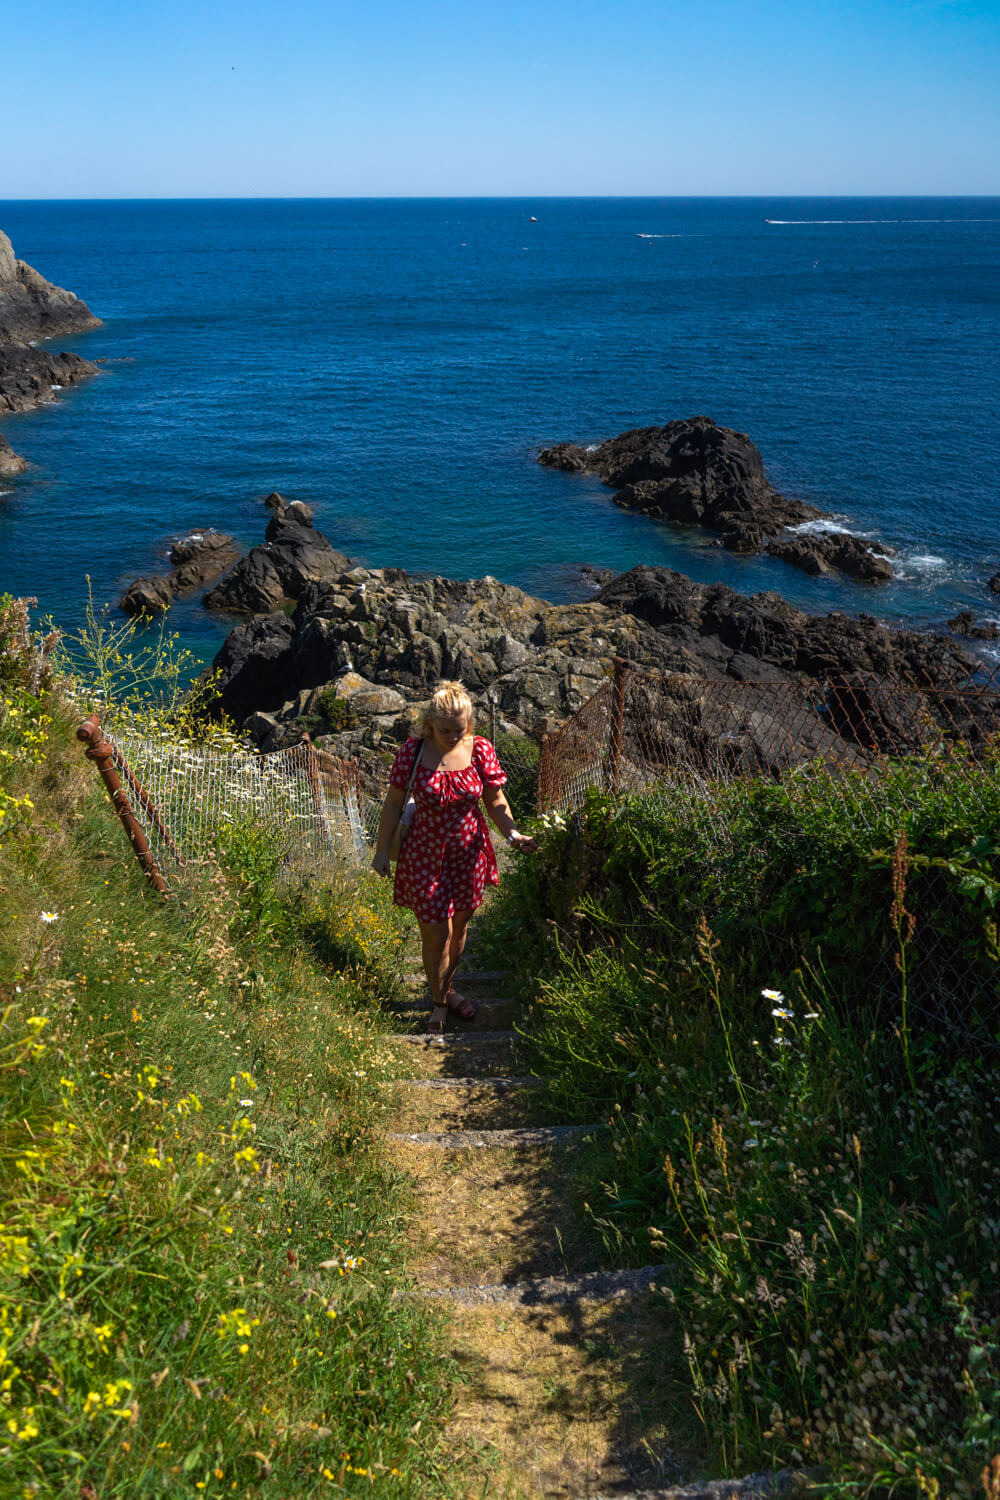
783, 1014
773, 995
753, 1141
782, 1041
49, 916
812, 1015
246, 1103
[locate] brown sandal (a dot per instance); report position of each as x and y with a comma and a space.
459, 1006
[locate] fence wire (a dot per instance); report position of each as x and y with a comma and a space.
313, 805
881, 759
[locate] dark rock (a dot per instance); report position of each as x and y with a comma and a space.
293, 556
993, 584
964, 623
31, 309
768, 629
540, 662
197, 558
147, 596
10, 462
696, 473
826, 552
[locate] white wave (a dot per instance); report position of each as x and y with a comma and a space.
591, 447
6, 492
641, 236
882, 221
928, 560
827, 527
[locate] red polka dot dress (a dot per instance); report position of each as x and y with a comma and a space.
447, 858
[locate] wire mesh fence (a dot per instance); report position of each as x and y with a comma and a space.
314, 806
865, 763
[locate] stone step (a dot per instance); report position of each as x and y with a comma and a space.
496, 1214
767, 1486
490, 1015
452, 1104
539, 1291
482, 1054
500, 1084
520, 1137
567, 1398
474, 978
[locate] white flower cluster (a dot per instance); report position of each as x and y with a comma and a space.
550, 820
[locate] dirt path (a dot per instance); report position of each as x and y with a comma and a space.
566, 1393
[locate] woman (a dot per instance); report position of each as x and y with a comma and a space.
447, 857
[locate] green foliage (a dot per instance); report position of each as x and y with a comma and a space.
519, 757
731, 981
201, 1249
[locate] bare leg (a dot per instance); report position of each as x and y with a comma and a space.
434, 942
458, 932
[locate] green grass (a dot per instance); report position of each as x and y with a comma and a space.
202, 1245
822, 1181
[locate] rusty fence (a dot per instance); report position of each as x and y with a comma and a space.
178, 803
870, 760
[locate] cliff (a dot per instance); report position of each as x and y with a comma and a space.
31, 310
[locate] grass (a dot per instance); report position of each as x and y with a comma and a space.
202, 1245
819, 1172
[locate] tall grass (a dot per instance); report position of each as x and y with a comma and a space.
201, 1246
819, 1172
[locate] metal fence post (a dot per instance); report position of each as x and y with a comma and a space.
542, 788
618, 688
100, 752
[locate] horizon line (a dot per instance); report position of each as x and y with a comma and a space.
499, 197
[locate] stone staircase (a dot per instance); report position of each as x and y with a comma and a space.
564, 1392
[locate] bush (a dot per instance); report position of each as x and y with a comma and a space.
731, 983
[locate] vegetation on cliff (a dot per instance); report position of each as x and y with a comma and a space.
201, 1243
784, 1000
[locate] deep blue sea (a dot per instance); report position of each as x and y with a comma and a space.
397, 364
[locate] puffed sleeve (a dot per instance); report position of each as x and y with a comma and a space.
403, 764
490, 770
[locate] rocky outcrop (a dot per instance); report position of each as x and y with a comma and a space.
363, 649
993, 584
33, 309
746, 636
195, 559
700, 474
294, 556
824, 552
10, 462
965, 623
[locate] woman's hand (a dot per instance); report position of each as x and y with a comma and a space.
523, 843
380, 863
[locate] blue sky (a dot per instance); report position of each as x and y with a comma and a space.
194, 98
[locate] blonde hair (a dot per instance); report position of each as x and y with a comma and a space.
449, 700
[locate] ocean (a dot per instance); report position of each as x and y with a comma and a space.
398, 363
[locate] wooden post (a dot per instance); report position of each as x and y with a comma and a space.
543, 785
617, 724
148, 806
100, 752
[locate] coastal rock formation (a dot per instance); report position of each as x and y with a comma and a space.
964, 623
293, 556
195, 559
10, 462
751, 637
367, 631
695, 472
993, 584
32, 309
829, 551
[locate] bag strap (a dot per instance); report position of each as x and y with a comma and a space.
413, 769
